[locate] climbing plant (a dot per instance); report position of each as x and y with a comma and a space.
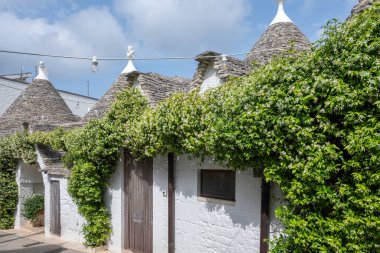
309, 122
12, 149
91, 153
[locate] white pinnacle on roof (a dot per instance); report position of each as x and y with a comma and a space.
281, 16
42, 72
130, 67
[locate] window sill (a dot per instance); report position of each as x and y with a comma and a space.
217, 201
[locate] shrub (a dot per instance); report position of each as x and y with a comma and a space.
32, 206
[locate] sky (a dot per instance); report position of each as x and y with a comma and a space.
155, 28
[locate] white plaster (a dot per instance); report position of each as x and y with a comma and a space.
71, 221
281, 16
47, 202
29, 181
211, 79
203, 224
136, 84
114, 199
160, 204
79, 105
42, 71
277, 199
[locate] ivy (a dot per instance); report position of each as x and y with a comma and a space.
91, 153
12, 149
309, 122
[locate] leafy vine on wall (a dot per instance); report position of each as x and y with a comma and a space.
310, 120
12, 149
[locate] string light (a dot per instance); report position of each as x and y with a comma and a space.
122, 59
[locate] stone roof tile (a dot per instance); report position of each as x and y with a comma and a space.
277, 39
38, 104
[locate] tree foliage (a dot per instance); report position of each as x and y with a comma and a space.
12, 149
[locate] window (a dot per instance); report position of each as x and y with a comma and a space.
219, 184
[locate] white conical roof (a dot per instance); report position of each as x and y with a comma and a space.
281, 16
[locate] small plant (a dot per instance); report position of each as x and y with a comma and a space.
32, 206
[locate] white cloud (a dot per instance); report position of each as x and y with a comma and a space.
92, 31
185, 26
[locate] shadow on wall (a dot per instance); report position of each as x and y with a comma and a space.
244, 212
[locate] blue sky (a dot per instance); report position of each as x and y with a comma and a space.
155, 29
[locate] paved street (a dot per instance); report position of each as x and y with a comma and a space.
12, 242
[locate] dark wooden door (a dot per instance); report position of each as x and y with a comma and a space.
139, 204
55, 208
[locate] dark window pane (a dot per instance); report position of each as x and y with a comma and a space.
218, 184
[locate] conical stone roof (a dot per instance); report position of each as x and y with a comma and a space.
280, 36
38, 104
361, 6
104, 103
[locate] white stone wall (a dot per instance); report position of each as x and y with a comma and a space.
160, 204
71, 220
211, 79
204, 224
10, 90
29, 182
79, 105
114, 199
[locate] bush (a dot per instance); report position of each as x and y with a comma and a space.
32, 206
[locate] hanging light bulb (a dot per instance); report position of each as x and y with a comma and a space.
94, 64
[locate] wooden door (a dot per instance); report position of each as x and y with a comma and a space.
139, 204
55, 208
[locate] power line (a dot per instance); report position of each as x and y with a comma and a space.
122, 59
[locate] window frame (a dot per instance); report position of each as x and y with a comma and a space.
211, 196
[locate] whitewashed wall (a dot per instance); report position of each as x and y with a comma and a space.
29, 182
160, 204
71, 220
114, 199
79, 105
204, 224
211, 79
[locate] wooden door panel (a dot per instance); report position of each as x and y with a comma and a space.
55, 208
139, 204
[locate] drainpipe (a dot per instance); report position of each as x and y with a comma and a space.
171, 204
264, 219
